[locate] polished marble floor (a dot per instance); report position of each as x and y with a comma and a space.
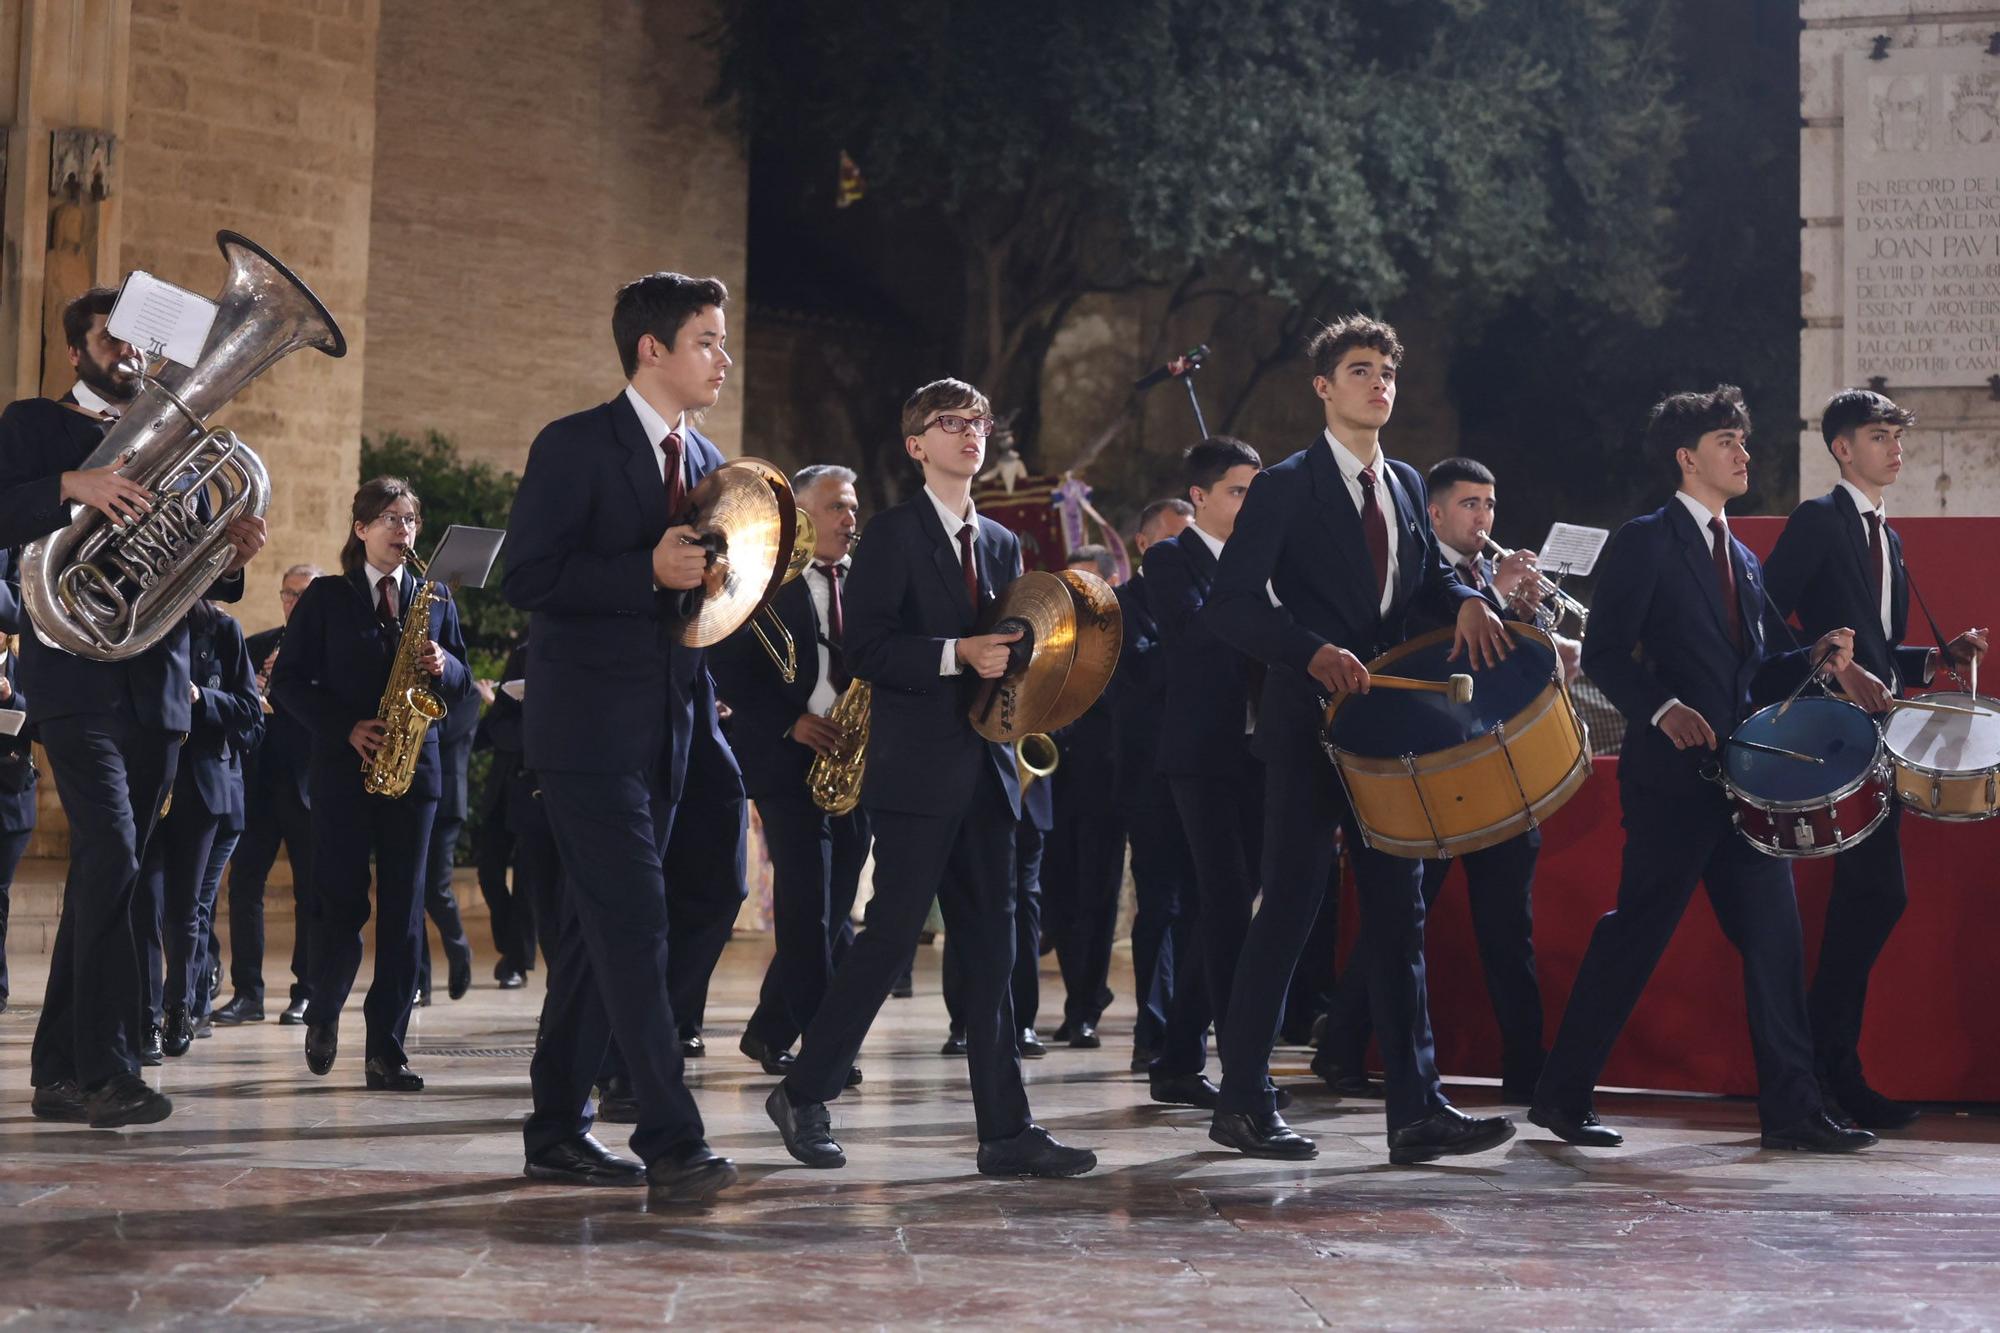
272, 1199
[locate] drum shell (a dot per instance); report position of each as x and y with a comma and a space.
1948, 795
1801, 831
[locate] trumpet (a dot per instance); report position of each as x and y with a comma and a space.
1555, 602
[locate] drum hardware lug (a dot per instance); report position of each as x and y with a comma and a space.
1937, 792
1802, 834
1410, 767
1527, 806
1992, 794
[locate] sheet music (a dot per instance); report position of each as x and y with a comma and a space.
1572, 546
11, 720
464, 556
162, 319
514, 689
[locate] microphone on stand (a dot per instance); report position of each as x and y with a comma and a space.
1177, 368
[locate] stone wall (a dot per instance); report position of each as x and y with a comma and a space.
531, 155
1952, 457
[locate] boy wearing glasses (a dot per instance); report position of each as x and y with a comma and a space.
943, 802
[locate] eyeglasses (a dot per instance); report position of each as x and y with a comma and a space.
956, 425
287, 595
407, 522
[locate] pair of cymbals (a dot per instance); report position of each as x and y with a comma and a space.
1072, 630
748, 521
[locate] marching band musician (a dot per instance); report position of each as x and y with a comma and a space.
1680, 641
1500, 879
18, 775
111, 731
340, 648
1838, 562
942, 801
1339, 534
777, 730
517, 863
601, 555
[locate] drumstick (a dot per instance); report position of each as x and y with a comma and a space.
1930, 707
1761, 748
1459, 687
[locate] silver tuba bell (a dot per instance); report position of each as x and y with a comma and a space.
109, 592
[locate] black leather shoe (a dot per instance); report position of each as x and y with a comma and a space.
693, 1047
1818, 1133
807, 1130
178, 1034
61, 1101
322, 1044
1447, 1133
1080, 1036
459, 976
294, 1014
583, 1161
772, 1060
150, 1051
382, 1077
1142, 1059
1034, 1152
214, 981
1031, 1045
1261, 1136
1185, 1090
616, 1102
903, 989
423, 1000
854, 1076
204, 1027
1339, 1079
240, 1009
1869, 1109
688, 1175
509, 977
1583, 1129
954, 1044
124, 1099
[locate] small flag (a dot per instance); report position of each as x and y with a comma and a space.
852, 186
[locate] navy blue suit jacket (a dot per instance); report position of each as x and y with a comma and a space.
1138, 695
228, 719
764, 706
335, 663
1299, 530
905, 596
284, 752
499, 728
609, 689
1207, 681
17, 753
40, 439
1659, 631
1818, 571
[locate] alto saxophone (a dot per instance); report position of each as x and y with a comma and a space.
834, 780
409, 705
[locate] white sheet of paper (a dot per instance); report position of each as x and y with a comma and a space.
158, 317
514, 689
11, 721
1574, 546
464, 556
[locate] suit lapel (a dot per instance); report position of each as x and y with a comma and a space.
1700, 561
1352, 567
642, 465
1409, 544
944, 552
1848, 519
1201, 564
1749, 602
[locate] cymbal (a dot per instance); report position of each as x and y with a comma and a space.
1074, 628
794, 520
748, 532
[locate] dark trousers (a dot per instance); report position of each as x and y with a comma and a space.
816, 861
440, 903
1671, 844
219, 853
1303, 803
13, 845
514, 835
279, 816
347, 825
1090, 849
608, 973
166, 909
1160, 874
966, 861
1499, 885
112, 776
1867, 900
1024, 983
1223, 817
705, 871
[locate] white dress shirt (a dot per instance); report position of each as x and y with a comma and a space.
1350, 471
1881, 511
950, 665
824, 696
89, 399
375, 577
1701, 519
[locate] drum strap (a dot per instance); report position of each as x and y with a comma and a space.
1944, 649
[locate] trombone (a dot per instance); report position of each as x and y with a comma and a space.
1035, 756
787, 661
1555, 602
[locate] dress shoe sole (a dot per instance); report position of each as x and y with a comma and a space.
1430, 1152
1044, 1171
817, 1161
1184, 1099
146, 1113
1304, 1152
62, 1115
556, 1175
1033, 1052
227, 1021
1772, 1143
1596, 1136
390, 1085
287, 1021
698, 1186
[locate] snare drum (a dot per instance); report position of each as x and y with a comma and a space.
1947, 764
1823, 802
1427, 777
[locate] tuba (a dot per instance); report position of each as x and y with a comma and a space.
108, 592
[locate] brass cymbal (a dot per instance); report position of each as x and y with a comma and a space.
1074, 628
748, 530
793, 518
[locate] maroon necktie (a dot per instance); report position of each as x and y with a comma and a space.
836, 626
971, 564
1875, 560
385, 608
1725, 579
675, 477
1376, 531
1468, 574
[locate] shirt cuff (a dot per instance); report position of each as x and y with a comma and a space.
1663, 709
949, 665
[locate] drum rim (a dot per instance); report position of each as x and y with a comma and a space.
1395, 765
1946, 774
1383, 661
1834, 848
1875, 768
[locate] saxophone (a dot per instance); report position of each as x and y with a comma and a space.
835, 777
409, 705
